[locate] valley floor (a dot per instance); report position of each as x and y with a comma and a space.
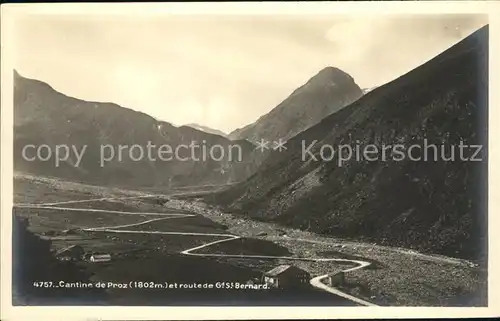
396, 277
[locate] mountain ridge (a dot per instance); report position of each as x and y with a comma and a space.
206, 129
42, 115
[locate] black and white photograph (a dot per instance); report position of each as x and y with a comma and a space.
325, 159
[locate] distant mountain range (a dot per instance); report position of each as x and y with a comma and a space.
207, 129
327, 92
436, 206
44, 116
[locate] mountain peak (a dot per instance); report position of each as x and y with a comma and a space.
17, 75
325, 93
330, 70
331, 74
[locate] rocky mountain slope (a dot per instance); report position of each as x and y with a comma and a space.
45, 116
325, 93
428, 205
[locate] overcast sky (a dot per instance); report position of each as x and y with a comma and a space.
222, 71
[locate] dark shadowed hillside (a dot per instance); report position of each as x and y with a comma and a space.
434, 205
33, 261
45, 116
325, 93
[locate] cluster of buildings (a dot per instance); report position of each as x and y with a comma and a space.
280, 277
77, 253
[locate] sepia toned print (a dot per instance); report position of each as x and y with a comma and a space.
250, 160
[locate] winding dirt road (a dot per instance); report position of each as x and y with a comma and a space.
316, 282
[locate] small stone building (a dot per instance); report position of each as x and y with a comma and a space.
95, 258
335, 279
286, 276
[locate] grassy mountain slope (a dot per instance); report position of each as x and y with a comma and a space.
436, 206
